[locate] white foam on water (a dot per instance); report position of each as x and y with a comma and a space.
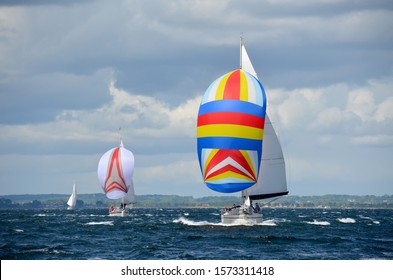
346, 220
270, 223
369, 218
319, 223
188, 222
19, 230
107, 223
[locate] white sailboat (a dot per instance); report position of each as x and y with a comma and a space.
115, 172
257, 172
72, 200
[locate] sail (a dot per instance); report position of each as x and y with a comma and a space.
237, 148
245, 62
230, 132
272, 177
130, 196
115, 171
72, 200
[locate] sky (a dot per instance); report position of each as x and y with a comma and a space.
73, 72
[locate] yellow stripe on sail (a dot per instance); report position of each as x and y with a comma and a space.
221, 87
230, 130
209, 158
229, 174
243, 87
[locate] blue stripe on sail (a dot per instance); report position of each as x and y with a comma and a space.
229, 143
229, 187
232, 106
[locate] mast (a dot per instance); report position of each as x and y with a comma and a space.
241, 47
120, 139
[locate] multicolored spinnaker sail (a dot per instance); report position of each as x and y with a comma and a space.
230, 132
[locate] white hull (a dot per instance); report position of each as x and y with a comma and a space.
119, 213
241, 216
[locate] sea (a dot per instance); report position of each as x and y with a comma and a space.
195, 234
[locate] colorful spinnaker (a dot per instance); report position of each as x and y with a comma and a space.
115, 172
238, 149
230, 132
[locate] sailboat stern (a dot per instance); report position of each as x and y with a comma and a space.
241, 216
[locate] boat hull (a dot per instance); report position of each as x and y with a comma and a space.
241, 218
122, 213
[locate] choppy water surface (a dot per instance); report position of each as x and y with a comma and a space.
285, 234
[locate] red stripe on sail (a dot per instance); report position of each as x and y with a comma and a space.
115, 186
115, 163
231, 118
232, 86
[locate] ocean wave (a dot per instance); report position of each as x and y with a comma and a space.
370, 219
319, 223
346, 220
107, 223
188, 222
270, 223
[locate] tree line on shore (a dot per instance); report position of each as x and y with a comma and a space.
175, 201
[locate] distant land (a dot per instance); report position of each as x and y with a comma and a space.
99, 200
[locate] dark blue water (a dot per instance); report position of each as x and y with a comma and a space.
286, 234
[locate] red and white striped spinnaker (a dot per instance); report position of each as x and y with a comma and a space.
115, 171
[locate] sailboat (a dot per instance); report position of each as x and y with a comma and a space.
72, 200
115, 172
238, 148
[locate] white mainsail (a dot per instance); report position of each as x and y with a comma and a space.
272, 179
272, 176
72, 200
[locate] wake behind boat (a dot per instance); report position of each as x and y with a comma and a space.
115, 172
238, 149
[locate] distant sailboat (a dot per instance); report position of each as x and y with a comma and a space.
72, 200
238, 148
115, 171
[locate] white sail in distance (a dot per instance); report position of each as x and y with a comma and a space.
72, 200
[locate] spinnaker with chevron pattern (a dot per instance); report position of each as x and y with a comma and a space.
115, 172
237, 146
230, 131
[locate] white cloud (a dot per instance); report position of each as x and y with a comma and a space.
350, 110
384, 111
